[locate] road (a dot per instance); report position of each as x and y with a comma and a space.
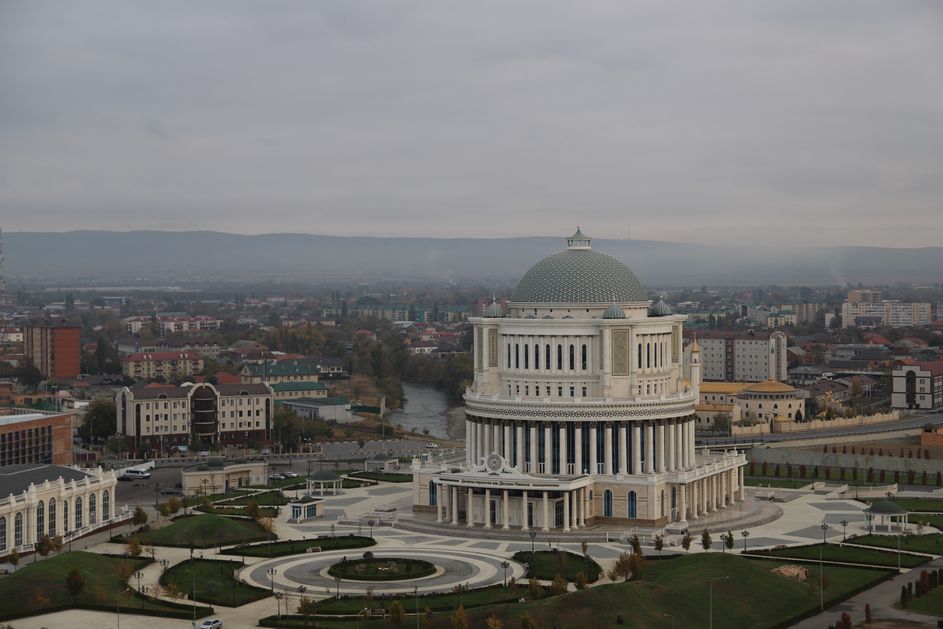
875, 429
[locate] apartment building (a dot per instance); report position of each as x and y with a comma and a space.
166, 365
918, 385
749, 356
35, 437
54, 348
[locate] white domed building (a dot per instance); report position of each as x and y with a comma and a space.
579, 412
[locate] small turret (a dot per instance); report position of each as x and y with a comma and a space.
494, 310
614, 312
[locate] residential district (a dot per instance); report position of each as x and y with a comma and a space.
571, 446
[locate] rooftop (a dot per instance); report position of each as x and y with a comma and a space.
15, 479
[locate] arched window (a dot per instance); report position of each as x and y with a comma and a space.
633, 505
65, 516
607, 503
78, 512
92, 509
526, 356
433, 495
674, 497
572, 358
40, 519
536, 356
559, 356
583, 358
547, 357
3, 533
106, 506
18, 530
52, 517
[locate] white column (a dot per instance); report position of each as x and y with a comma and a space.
593, 459
506, 509
438, 504
548, 449
487, 508
561, 432
649, 448
471, 513
533, 448
740, 489
583, 505
469, 434
623, 458
692, 442
607, 445
498, 446
566, 512
672, 443
636, 448
453, 506
524, 526
508, 442
682, 503
519, 430
546, 521
486, 437
578, 447
575, 510
661, 445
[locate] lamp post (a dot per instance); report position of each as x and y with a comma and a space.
870, 518
138, 575
193, 591
723, 546
416, 594
745, 535
337, 580
370, 524
278, 605
710, 600
505, 565
822, 570
118, 605
271, 572
533, 536
672, 620
824, 533
844, 523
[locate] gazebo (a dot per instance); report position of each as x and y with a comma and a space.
891, 516
324, 482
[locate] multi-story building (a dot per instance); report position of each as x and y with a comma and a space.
171, 324
806, 313
295, 390
781, 319
28, 436
579, 412
751, 356
160, 417
54, 500
918, 385
54, 349
863, 307
165, 365
275, 371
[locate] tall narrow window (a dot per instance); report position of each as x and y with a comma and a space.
633, 505
517, 356
40, 519
78, 512
3, 533
547, 357
18, 530
572, 358
583, 358
106, 506
638, 363
559, 356
526, 357
52, 517
536, 356
509, 355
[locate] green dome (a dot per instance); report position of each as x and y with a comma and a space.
661, 309
579, 275
614, 312
494, 311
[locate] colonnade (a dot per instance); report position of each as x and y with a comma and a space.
706, 495
534, 508
564, 447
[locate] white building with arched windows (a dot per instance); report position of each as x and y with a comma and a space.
53, 500
580, 412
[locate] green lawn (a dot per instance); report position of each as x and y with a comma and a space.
298, 546
268, 498
40, 587
435, 602
750, 597
381, 569
547, 564
284, 483
932, 543
852, 475
930, 603
834, 552
202, 531
935, 520
776, 483
214, 582
192, 501
386, 477
266, 512
921, 504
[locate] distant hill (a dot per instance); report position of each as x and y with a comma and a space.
99, 254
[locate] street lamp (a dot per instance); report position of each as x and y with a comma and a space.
824, 533
723, 546
337, 580
822, 570
138, 576
371, 523
843, 523
416, 594
533, 536
278, 605
870, 518
271, 572
118, 605
745, 535
505, 565
672, 620
710, 600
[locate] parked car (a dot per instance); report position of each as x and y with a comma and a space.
134, 475
290, 474
171, 492
213, 623
276, 477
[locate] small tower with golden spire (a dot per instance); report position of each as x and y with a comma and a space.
695, 364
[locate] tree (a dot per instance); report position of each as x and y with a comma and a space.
659, 543
100, 420
637, 565
134, 547
163, 510
253, 511
74, 583
636, 545
14, 559
44, 546
623, 566
728, 541
493, 622
174, 505
706, 540
581, 581
686, 541
397, 613
460, 618
139, 518
558, 585
527, 622
534, 589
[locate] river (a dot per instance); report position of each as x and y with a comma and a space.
426, 408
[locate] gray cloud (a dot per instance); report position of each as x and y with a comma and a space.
801, 121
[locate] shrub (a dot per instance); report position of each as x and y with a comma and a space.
706, 540
580, 580
534, 589
558, 585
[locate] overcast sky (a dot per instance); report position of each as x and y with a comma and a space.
796, 121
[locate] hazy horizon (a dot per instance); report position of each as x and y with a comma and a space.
726, 122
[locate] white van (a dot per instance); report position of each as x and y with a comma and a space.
135, 474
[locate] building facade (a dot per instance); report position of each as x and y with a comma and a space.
161, 365
918, 385
862, 307
54, 500
33, 437
203, 415
54, 349
579, 412
750, 356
